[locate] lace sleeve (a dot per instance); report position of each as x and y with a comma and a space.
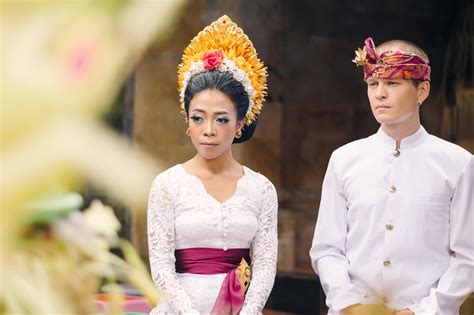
160, 220
264, 249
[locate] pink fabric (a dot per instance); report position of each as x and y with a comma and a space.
231, 296
209, 261
214, 261
129, 304
392, 64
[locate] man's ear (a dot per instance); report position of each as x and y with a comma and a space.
423, 91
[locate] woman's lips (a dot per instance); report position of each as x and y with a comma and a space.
208, 144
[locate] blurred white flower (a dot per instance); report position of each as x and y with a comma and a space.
102, 220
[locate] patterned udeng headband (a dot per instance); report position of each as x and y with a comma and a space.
391, 64
223, 46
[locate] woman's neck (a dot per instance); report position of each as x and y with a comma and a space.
223, 163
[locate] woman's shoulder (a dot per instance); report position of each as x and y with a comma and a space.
258, 177
170, 174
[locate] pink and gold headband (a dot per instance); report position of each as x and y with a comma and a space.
391, 64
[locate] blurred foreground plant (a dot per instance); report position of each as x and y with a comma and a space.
62, 64
63, 256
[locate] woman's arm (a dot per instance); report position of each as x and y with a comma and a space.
264, 248
161, 244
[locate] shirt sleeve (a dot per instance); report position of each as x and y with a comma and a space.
264, 249
160, 221
328, 249
457, 282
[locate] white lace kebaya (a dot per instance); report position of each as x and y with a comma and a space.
181, 214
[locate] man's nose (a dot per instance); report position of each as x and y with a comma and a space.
381, 91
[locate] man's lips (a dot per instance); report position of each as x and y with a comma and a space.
381, 106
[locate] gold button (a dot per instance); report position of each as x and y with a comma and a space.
386, 262
384, 300
389, 226
392, 188
396, 153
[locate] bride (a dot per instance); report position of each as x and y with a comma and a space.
212, 222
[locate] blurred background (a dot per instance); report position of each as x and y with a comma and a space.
114, 111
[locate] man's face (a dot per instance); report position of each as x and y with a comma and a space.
394, 101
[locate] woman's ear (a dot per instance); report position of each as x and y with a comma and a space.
240, 124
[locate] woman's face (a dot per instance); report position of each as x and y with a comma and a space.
212, 123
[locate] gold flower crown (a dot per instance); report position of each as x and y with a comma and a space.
224, 47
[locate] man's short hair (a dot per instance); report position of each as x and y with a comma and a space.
398, 44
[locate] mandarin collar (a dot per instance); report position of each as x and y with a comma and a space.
411, 141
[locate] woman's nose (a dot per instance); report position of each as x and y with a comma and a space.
209, 129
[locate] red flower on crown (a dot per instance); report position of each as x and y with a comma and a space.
212, 59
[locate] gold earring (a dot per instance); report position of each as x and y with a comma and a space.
238, 134
187, 132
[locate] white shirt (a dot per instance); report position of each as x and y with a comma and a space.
397, 226
181, 214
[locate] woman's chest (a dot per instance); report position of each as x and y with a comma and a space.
199, 217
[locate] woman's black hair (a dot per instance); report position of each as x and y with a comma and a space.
224, 82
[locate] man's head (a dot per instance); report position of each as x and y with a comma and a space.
402, 45
397, 75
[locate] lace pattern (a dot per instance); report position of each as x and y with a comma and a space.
181, 214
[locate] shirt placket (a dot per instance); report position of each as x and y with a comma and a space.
392, 188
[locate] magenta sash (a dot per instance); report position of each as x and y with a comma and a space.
209, 261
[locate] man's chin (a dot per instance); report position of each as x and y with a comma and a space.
381, 119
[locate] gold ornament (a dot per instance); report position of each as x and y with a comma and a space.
361, 57
226, 36
238, 134
244, 274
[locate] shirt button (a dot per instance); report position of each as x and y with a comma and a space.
386, 263
225, 248
389, 226
224, 234
392, 188
384, 300
396, 153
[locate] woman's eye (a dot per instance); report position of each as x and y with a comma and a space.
392, 83
196, 118
373, 84
222, 120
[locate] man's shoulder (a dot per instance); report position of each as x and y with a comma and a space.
353, 147
449, 149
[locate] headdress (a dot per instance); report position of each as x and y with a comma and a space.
391, 64
223, 46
